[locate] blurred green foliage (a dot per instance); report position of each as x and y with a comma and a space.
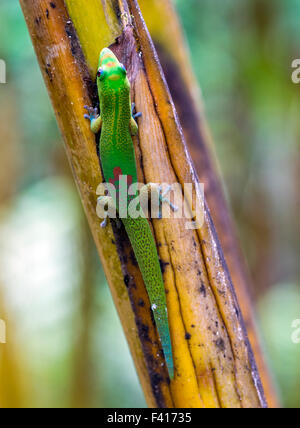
62, 326
65, 340
27, 91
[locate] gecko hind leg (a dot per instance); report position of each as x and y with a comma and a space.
163, 198
105, 205
146, 191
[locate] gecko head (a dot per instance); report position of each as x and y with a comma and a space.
111, 73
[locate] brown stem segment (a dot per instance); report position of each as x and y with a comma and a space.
213, 358
173, 55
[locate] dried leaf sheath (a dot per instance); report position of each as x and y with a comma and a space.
174, 57
212, 354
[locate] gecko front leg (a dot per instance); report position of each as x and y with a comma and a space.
133, 125
94, 118
133, 112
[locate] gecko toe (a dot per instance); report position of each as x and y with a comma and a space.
92, 113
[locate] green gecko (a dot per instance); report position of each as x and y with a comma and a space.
117, 124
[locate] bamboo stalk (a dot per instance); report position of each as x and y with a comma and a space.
213, 358
186, 94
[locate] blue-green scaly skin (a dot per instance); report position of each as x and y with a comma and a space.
117, 150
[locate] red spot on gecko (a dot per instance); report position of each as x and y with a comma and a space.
117, 173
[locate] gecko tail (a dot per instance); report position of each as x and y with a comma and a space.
145, 250
161, 319
169, 361
170, 368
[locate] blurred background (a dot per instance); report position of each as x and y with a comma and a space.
64, 337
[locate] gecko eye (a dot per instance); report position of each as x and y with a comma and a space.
100, 73
123, 68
